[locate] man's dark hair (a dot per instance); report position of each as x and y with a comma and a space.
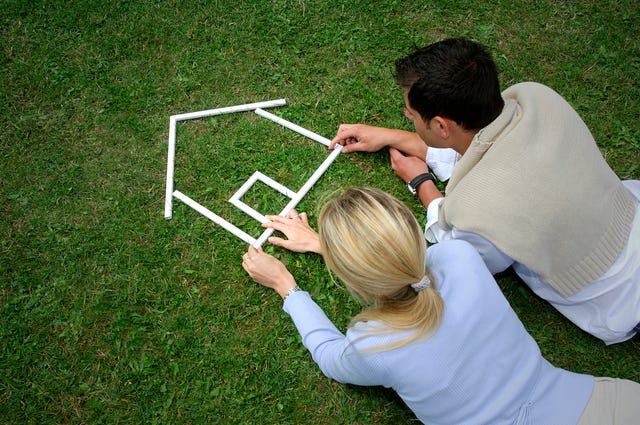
454, 78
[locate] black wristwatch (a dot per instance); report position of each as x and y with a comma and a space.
418, 180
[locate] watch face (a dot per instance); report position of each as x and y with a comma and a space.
411, 189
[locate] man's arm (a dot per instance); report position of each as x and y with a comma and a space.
427, 192
367, 138
407, 167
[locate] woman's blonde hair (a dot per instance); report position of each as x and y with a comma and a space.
374, 244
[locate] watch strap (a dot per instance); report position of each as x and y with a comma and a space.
418, 180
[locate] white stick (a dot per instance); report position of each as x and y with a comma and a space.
213, 217
171, 156
291, 126
229, 109
301, 193
266, 180
168, 206
316, 176
237, 201
295, 197
249, 211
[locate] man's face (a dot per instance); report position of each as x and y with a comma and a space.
422, 128
429, 131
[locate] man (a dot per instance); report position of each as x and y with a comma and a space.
530, 188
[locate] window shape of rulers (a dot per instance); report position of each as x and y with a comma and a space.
236, 199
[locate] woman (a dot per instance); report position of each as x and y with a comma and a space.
442, 335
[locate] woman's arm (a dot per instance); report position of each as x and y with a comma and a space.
330, 348
321, 337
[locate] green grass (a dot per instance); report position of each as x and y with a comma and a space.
110, 314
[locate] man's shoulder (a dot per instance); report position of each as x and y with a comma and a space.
527, 89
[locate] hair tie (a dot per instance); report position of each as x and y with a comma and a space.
424, 283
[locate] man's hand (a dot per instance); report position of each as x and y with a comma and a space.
300, 236
406, 166
367, 138
360, 138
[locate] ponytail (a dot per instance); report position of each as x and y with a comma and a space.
374, 244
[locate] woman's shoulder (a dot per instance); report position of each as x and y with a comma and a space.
456, 261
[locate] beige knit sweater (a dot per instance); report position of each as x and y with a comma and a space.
534, 183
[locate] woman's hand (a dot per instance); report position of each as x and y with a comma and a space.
267, 270
300, 236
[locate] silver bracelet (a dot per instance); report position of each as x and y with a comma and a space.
291, 291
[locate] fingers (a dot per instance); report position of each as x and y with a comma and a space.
289, 244
303, 217
274, 240
245, 261
251, 253
345, 143
293, 215
393, 153
250, 259
281, 224
344, 137
278, 220
406, 166
275, 225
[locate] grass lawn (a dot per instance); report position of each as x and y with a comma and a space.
111, 314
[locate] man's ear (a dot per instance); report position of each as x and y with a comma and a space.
441, 126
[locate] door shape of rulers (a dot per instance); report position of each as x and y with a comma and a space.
236, 199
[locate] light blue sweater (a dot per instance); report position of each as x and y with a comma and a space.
481, 366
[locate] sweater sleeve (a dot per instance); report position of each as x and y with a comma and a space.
495, 260
329, 347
